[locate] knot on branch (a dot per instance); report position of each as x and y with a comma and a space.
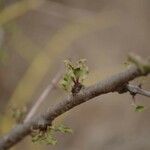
41, 125
122, 89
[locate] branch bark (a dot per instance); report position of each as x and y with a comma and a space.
112, 84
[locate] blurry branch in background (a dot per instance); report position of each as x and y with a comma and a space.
113, 84
43, 96
18, 9
26, 48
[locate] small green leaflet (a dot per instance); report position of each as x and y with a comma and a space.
44, 137
139, 108
63, 129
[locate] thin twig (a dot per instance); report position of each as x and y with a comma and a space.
137, 90
42, 97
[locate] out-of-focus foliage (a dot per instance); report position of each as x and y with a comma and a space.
18, 113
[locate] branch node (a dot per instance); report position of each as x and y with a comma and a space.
133, 90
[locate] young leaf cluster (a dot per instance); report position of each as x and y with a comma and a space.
43, 137
47, 136
75, 74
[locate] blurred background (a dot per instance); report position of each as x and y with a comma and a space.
37, 35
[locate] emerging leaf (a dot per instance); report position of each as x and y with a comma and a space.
63, 129
139, 108
75, 73
66, 82
43, 137
50, 139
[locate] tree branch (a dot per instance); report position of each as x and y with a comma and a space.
109, 85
